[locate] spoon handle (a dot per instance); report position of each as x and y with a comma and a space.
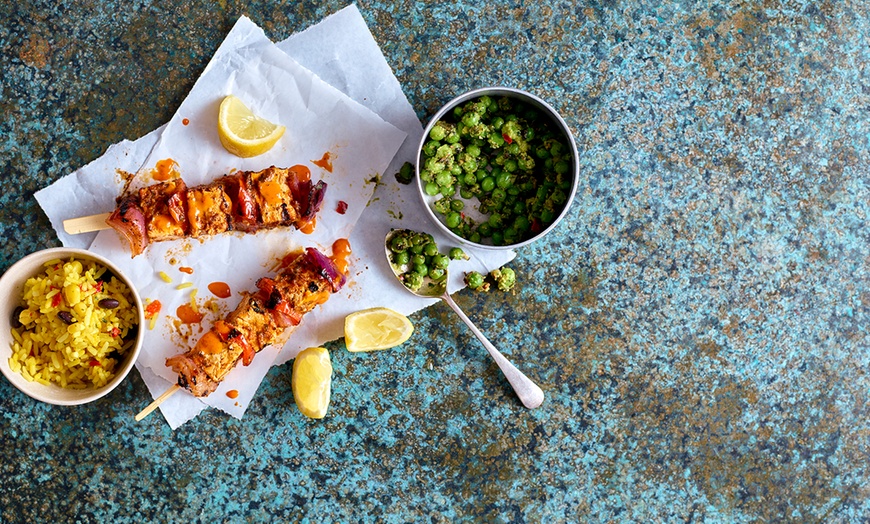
528, 392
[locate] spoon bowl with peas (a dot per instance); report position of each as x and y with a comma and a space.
400, 241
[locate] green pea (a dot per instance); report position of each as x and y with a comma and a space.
430, 147
487, 184
399, 243
436, 273
504, 180
456, 253
471, 119
498, 195
440, 261
418, 259
432, 188
412, 280
444, 178
474, 280
457, 205
526, 163
522, 224
401, 258
485, 230
421, 269
432, 164
430, 249
452, 219
495, 221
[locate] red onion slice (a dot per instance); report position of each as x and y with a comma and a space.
129, 220
326, 267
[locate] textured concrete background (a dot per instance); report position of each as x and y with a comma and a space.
699, 321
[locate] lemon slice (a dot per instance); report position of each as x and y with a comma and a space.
312, 381
376, 328
243, 133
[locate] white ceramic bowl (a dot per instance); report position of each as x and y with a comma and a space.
497, 92
11, 287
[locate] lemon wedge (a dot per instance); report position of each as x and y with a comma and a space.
312, 381
376, 328
243, 133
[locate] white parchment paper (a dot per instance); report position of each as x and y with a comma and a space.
361, 117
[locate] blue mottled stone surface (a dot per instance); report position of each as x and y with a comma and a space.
699, 322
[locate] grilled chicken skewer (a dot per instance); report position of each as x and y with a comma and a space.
259, 320
245, 201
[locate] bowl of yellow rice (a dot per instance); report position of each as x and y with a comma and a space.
70, 326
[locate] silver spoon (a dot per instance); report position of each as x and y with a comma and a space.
528, 392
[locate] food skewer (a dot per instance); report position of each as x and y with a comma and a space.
157, 401
246, 201
86, 224
261, 318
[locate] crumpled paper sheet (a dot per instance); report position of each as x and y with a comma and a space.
340, 51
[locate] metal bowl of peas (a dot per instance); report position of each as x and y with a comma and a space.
497, 168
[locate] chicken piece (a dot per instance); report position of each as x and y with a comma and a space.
272, 193
208, 209
163, 205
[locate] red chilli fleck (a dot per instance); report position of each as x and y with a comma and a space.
507, 138
94, 363
341, 208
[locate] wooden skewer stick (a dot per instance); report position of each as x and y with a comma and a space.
74, 226
159, 400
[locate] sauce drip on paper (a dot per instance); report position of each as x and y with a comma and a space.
220, 289
188, 315
325, 162
165, 170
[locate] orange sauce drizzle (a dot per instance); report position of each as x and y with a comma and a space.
303, 174
233, 393
185, 269
165, 169
340, 251
162, 222
220, 289
188, 315
271, 191
198, 205
325, 162
210, 343
308, 227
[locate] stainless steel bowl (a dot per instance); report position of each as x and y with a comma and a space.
472, 204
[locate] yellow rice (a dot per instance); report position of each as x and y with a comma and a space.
86, 352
